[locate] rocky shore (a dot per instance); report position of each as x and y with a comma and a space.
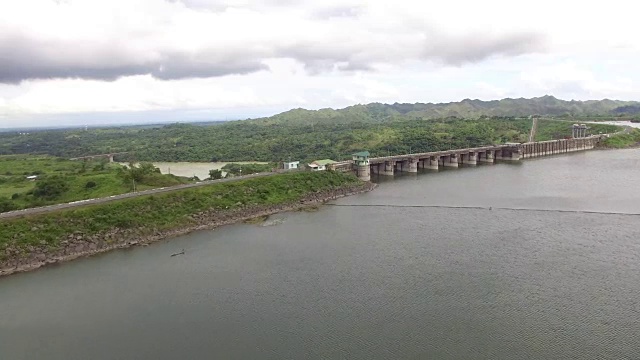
80, 245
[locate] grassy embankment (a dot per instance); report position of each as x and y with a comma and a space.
76, 180
624, 140
150, 214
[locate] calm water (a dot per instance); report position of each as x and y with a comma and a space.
189, 169
379, 276
622, 123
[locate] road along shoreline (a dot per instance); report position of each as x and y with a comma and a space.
74, 246
107, 199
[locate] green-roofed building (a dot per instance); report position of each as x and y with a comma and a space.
361, 158
319, 165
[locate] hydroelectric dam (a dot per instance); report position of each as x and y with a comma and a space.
363, 166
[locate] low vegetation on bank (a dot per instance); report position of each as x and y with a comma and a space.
36, 180
623, 140
154, 213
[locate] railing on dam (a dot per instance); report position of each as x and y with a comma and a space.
381, 159
389, 165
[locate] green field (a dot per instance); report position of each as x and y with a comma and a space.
60, 180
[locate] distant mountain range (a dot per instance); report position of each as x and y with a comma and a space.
473, 109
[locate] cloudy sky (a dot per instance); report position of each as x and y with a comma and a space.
94, 62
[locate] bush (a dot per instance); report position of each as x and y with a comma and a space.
215, 174
15, 196
51, 188
90, 184
6, 205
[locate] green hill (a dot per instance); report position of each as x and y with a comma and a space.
547, 106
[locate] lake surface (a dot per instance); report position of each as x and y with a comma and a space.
620, 123
189, 169
509, 261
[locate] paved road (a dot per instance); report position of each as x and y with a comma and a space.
44, 209
534, 128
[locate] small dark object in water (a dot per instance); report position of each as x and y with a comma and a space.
180, 253
490, 208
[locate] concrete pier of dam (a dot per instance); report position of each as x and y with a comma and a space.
389, 165
553, 147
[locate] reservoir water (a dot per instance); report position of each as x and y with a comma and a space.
536, 260
199, 169
189, 169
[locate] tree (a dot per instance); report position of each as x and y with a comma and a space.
215, 174
148, 168
138, 173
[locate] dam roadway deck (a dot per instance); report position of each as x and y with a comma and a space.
389, 165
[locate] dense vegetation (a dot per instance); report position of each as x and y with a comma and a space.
547, 106
335, 134
166, 210
59, 180
623, 140
252, 141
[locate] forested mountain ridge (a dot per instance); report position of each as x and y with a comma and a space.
307, 135
467, 109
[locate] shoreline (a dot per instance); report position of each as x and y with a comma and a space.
77, 246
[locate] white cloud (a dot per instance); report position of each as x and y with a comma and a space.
141, 55
575, 81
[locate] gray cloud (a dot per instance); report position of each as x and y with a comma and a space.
24, 59
321, 47
353, 54
338, 12
459, 51
221, 5
179, 66
212, 5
